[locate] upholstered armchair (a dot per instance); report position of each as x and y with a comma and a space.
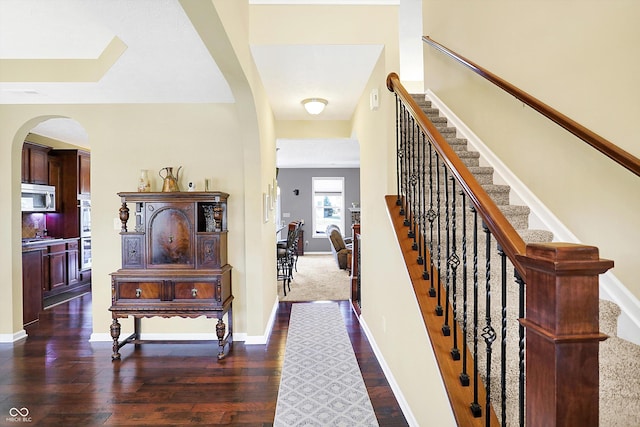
340, 246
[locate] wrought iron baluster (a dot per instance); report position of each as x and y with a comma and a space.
413, 180
503, 345
431, 216
476, 409
403, 158
521, 314
446, 329
398, 156
488, 333
454, 262
464, 376
439, 239
421, 212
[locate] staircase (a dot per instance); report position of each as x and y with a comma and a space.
619, 359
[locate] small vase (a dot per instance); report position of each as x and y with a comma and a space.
144, 186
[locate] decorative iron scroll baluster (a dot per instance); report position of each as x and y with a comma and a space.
446, 329
406, 173
398, 157
413, 180
488, 333
439, 240
476, 409
421, 190
503, 345
431, 216
521, 314
454, 262
403, 157
464, 376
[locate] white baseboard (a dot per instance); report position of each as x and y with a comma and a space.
11, 338
542, 218
262, 339
406, 410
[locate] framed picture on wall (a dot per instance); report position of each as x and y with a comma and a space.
265, 206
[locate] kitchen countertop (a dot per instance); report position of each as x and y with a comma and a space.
34, 243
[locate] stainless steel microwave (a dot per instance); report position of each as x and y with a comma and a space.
38, 198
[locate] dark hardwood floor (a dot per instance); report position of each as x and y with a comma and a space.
64, 380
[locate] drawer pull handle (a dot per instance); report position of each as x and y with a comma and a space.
194, 292
138, 292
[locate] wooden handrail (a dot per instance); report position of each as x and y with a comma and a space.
511, 242
601, 144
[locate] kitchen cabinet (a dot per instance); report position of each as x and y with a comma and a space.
73, 268
55, 267
174, 262
32, 280
59, 266
84, 174
35, 164
74, 183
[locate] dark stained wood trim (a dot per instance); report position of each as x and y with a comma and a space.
562, 334
601, 144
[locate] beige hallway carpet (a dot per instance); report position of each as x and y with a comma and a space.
318, 279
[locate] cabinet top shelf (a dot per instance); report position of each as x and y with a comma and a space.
174, 196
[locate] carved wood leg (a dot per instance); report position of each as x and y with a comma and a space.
230, 326
115, 334
136, 329
220, 330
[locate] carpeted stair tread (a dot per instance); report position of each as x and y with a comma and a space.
517, 215
609, 313
535, 236
483, 174
498, 193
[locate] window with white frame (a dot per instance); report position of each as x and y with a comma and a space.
328, 204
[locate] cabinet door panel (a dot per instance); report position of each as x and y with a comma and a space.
133, 251
31, 286
57, 269
211, 250
39, 167
84, 175
138, 290
171, 231
195, 290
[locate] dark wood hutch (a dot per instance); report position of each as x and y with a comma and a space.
174, 262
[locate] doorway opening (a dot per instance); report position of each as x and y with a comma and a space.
56, 235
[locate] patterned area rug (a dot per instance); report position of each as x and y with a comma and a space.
321, 383
317, 278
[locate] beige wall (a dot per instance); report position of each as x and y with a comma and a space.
581, 58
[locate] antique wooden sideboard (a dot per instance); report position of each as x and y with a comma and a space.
174, 263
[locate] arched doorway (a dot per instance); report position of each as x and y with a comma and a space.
56, 235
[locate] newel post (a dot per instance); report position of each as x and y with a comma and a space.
562, 334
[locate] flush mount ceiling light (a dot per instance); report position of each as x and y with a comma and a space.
314, 105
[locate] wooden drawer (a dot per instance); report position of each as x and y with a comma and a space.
142, 290
196, 290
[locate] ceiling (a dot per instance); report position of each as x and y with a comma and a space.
147, 51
